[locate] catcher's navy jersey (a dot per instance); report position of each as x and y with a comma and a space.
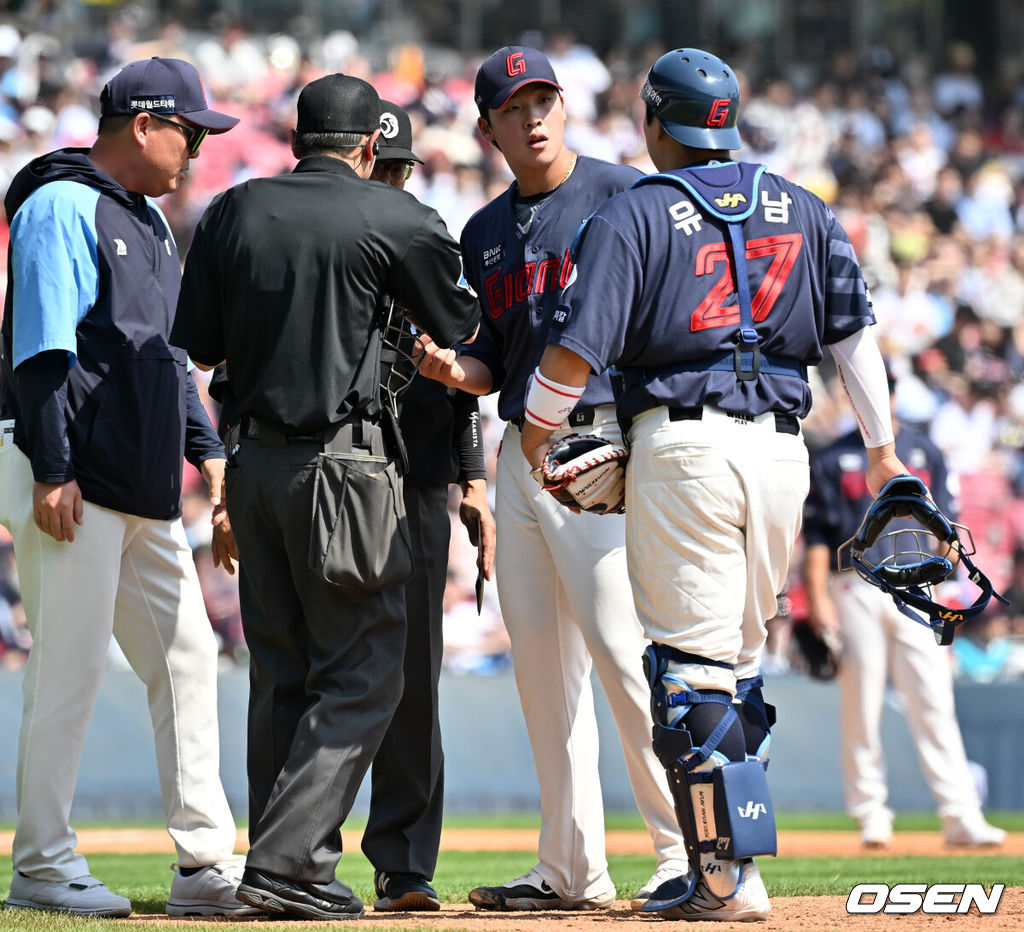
654, 290
839, 496
519, 276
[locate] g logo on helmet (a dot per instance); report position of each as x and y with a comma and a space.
388, 125
719, 112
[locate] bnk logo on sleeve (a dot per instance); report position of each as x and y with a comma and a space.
923, 898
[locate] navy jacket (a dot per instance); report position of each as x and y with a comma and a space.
93, 277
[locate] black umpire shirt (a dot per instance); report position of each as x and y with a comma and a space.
284, 277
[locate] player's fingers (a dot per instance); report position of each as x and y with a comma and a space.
487, 551
67, 525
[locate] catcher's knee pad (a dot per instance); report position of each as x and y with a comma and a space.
721, 798
757, 717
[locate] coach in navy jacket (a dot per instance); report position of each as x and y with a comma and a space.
100, 409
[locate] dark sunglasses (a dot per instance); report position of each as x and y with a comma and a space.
393, 170
194, 135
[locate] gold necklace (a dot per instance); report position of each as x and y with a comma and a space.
568, 171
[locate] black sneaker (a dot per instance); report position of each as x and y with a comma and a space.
531, 892
274, 894
403, 892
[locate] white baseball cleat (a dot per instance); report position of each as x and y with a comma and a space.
82, 896
748, 904
972, 831
210, 891
876, 829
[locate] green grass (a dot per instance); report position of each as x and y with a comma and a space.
146, 878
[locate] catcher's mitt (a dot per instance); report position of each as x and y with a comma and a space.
908, 573
585, 472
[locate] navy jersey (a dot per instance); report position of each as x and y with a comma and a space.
839, 495
519, 276
654, 291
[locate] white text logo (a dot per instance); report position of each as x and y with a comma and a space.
752, 811
920, 897
122, 250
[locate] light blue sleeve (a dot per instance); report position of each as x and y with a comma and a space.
56, 272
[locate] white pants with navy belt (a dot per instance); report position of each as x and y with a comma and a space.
567, 605
713, 509
882, 645
134, 578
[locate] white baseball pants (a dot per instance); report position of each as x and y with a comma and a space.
567, 605
133, 577
713, 509
881, 644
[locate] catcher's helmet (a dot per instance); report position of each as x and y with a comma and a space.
696, 97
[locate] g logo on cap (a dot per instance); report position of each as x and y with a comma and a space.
388, 125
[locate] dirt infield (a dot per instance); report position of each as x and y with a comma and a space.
789, 914
793, 844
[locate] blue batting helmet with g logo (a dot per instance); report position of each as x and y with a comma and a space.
696, 97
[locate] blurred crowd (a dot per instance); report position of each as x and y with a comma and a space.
922, 162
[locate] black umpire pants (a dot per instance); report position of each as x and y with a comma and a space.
403, 831
325, 671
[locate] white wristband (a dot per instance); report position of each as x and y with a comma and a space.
549, 403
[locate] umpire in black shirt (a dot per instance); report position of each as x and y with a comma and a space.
441, 430
283, 282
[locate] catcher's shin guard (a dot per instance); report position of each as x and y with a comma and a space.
721, 798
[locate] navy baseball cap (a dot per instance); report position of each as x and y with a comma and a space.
507, 70
162, 85
338, 103
395, 134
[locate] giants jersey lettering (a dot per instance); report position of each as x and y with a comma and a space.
519, 276
839, 495
655, 287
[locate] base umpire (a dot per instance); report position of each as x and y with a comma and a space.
283, 281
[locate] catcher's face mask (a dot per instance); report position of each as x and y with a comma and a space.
913, 567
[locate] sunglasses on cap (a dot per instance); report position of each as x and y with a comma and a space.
194, 135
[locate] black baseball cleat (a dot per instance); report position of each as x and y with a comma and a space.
531, 892
278, 895
404, 892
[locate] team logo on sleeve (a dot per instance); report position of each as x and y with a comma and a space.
493, 255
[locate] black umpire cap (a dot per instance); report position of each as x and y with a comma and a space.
395, 134
338, 103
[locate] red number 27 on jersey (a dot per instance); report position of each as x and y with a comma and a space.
782, 250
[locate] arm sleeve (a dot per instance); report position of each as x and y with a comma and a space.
201, 440
429, 281
467, 436
197, 321
54, 260
42, 387
862, 373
